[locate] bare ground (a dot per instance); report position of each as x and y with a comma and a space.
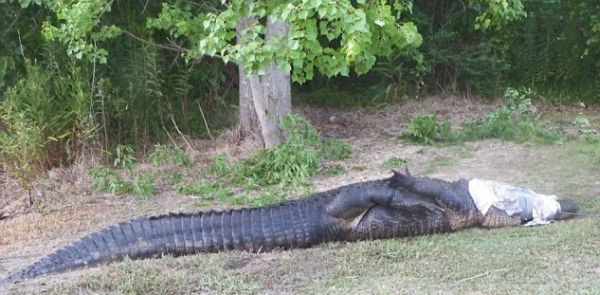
65, 209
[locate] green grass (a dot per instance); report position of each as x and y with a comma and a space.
111, 181
514, 121
539, 260
393, 163
439, 163
562, 258
166, 155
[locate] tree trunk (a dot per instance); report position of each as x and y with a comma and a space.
248, 120
277, 84
265, 100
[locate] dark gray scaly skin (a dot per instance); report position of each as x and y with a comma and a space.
399, 206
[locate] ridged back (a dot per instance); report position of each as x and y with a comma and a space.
294, 224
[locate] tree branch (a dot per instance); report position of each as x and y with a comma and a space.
178, 49
172, 47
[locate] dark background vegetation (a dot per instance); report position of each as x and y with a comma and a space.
55, 108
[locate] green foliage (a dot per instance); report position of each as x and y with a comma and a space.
291, 163
393, 162
330, 37
45, 119
554, 50
428, 130
124, 157
352, 35
144, 185
206, 190
163, 155
402, 73
78, 27
334, 170
336, 150
104, 179
461, 50
513, 121
175, 178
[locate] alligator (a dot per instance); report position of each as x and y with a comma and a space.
399, 206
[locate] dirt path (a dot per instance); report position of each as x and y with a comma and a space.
374, 136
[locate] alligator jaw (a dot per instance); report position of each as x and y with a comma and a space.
568, 209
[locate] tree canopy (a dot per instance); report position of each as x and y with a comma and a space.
328, 36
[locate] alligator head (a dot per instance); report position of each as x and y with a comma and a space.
532, 208
498, 204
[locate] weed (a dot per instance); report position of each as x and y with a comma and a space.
498, 124
518, 101
124, 157
160, 155
144, 185
224, 195
175, 178
163, 155
359, 168
291, 163
428, 130
180, 158
205, 189
220, 165
439, 162
592, 138
334, 170
582, 121
104, 179
393, 162
465, 153
270, 195
44, 121
336, 150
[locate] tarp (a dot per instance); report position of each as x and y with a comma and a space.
529, 205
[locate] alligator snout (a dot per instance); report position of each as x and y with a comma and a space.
567, 210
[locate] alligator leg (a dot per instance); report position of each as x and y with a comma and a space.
380, 211
354, 201
451, 195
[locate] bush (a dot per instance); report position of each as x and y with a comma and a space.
291, 163
513, 121
104, 179
428, 130
163, 155
44, 121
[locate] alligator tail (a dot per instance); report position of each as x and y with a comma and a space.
287, 225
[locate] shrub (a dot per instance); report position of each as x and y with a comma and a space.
291, 163
428, 130
163, 155
44, 121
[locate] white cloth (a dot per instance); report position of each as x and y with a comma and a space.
513, 200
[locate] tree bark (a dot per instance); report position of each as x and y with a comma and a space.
277, 84
248, 120
265, 100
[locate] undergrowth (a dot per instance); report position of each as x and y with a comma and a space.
276, 173
122, 179
44, 120
111, 181
292, 163
164, 155
513, 121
